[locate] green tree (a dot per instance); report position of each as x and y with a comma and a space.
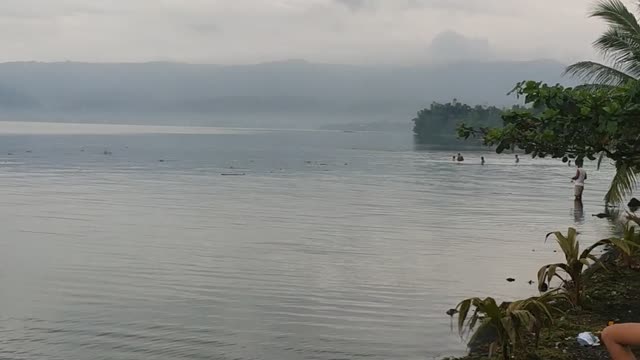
574, 123
438, 122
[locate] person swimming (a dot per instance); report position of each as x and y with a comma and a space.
460, 158
482, 160
517, 159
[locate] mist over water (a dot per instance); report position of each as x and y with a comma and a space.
129, 243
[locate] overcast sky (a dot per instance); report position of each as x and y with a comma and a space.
332, 31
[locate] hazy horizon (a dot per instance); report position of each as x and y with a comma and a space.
282, 94
277, 63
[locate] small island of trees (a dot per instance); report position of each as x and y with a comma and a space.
438, 123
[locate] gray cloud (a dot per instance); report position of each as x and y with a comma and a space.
451, 46
344, 31
355, 4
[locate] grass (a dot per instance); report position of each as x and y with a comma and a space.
610, 295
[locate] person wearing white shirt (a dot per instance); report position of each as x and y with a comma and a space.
578, 180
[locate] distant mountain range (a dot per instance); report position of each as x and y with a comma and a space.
295, 94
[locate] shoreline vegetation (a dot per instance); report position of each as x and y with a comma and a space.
597, 121
610, 294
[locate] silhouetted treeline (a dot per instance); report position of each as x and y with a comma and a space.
437, 124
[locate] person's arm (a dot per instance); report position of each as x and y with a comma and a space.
577, 175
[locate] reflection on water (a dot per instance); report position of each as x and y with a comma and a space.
333, 246
578, 212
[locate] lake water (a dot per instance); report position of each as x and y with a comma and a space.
331, 246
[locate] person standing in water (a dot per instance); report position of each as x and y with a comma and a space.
481, 160
517, 159
460, 158
578, 180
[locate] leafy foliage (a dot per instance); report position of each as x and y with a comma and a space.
575, 263
512, 322
574, 123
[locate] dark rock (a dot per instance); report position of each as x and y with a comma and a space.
602, 216
634, 203
484, 336
511, 279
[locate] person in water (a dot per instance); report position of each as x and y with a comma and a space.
454, 158
619, 337
460, 157
482, 160
578, 180
517, 159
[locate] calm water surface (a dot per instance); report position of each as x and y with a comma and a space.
331, 246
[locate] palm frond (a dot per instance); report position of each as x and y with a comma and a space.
593, 72
595, 87
623, 183
616, 14
633, 217
600, 158
620, 48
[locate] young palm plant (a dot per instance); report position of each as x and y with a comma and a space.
512, 322
570, 273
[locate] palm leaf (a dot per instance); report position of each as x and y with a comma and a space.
633, 217
548, 272
621, 49
600, 158
616, 14
593, 72
622, 184
463, 311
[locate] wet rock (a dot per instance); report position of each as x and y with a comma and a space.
634, 203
